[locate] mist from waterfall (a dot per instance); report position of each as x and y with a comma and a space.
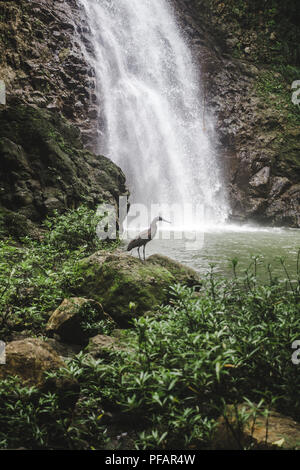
151, 118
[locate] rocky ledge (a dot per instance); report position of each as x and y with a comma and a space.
43, 45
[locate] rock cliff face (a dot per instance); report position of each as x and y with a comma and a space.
51, 109
257, 124
42, 45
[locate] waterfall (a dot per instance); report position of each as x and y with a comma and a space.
150, 106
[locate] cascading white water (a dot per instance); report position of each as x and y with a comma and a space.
151, 108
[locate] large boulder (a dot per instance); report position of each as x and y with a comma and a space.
126, 286
258, 431
69, 320
101, 345
29, 359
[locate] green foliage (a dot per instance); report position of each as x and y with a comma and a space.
91, 324
12, 224
37, 276
230, 343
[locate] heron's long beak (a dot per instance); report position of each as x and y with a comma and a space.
166, 221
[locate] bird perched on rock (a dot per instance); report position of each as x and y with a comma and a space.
144, 237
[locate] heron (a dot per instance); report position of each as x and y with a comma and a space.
144, 237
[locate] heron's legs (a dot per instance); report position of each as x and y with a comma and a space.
139, 253
144, 252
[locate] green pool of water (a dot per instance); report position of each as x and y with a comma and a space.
219, 246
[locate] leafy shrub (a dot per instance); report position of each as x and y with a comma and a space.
35, 277
74, 229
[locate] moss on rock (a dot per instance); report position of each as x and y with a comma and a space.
29, 359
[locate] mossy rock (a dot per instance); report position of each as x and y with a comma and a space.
127, 287
47, 168
183, 274
69, 320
